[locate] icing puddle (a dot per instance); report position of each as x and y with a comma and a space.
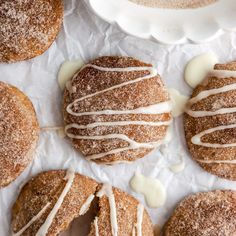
198, 68
179, 102
67, 70
152, 189
178, 167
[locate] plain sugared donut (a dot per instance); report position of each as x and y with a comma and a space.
19, 133
210, 122
204, 214
116, 109
28, 27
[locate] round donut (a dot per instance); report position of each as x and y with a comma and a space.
19, 133
116, 109
49, 202
210, 122
203, 214
28, 27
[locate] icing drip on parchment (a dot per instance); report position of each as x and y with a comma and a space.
67, 70
198, 68
205, 94
107, 191
70, 175
160, 108
152, 189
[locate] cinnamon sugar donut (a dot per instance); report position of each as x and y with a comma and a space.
204, 214
210, 122
116, 109
19, 133
28, 27
49, 202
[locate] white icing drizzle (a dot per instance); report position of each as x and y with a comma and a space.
118, 162
117, 123
44, 228
140, 211
197, 138
153, 72
96, 226
107, 190
160, 108
132, 144
156, 109
35, 218
232, 162
134, 231
222, 73
204, 94
208, 93
86, 205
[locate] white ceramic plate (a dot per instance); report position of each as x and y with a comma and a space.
169, 26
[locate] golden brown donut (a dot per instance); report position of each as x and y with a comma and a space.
28, 27
49, 202
210, 122
116, 109
19, 133
204, 214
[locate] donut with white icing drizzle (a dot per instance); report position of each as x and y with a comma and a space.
66, 194
19, 133
116, 109
210, 122
210, 213
49, 202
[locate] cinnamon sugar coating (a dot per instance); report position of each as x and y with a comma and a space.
28, 27
195, 125
126, 208
204, 214
46, 188
129, 97
19, 133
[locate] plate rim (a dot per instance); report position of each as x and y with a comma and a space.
150, 35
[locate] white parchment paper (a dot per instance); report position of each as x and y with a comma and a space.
86, 36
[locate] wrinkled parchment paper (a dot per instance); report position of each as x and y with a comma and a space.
86, 36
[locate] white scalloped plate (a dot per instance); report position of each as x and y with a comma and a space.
169, 26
